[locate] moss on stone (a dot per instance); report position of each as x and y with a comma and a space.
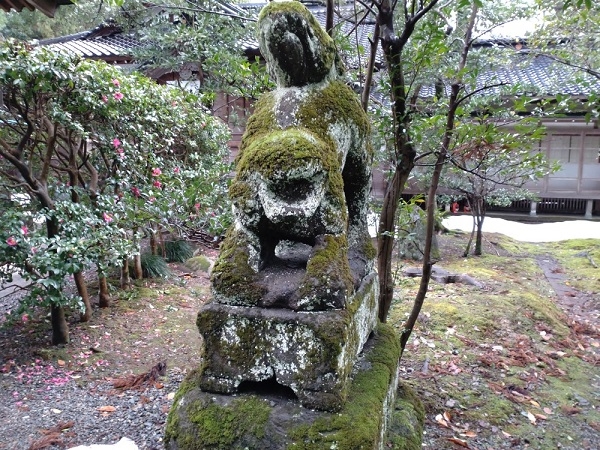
262, 121
406, 427
328, 272
358, 423
369, 249
172, 427
297, 49
336, 102
281, 8
232, 275
284, 150
220, 427
199, 262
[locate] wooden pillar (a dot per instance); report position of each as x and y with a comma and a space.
589, 204
533, 209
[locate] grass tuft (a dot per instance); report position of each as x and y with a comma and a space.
178, 251
154, 266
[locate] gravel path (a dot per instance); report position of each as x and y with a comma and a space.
41, 397
61, 397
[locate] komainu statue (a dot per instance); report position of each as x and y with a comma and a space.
300, 238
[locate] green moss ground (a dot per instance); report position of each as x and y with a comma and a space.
490, 357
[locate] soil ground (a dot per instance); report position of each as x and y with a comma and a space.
511, 365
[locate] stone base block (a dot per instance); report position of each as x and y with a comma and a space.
201, 420
311, 353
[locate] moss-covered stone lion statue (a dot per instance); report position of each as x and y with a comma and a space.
300, 195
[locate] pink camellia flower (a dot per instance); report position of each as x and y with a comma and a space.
136, 192
11, 241
24, 318
118, 96
197, 206
156, 172
107, 218
152, 199
116, 82
24, 230
176, 170
105, 99
157, 184
116, 142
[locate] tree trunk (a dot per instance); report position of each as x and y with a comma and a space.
60, 328
404, 153
153, 243
385, 243
428, 261
125, 279
473, 231
137, 267
103, 295
479, 217
83, 293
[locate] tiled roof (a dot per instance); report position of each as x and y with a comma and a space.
48, 7
106, 42
536, 74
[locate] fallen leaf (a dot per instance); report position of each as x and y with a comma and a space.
506, 434
56, 411
170, 395
107, 409
447, 416
159, 385
534, 403
540, 416
60, 362
469, 433
440, 420
459, 442
531, 418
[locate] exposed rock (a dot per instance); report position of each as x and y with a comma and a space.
443, 276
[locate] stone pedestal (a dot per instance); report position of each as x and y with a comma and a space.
312, 353
203, 420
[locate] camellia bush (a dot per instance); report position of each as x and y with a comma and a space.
91, 160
